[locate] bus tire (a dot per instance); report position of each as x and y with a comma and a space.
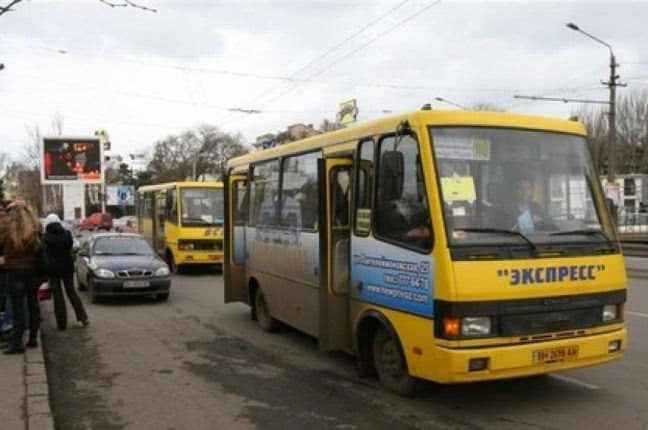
263, 315
173, 267
391, 366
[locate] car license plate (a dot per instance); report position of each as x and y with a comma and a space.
136, 284
553, 355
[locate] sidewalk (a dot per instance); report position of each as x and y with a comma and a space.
24, 392
12, 392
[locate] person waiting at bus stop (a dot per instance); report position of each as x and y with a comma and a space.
58, 245
21, 246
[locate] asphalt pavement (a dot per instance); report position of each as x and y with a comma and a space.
195, 363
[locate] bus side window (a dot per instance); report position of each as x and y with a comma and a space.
299, 194
402, 211
264, 200
172, 206
364, 188
240, 203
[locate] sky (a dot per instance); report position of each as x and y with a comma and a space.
142, 76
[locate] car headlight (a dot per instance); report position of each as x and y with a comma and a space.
104, 273
162, 271
475, 326
610, 313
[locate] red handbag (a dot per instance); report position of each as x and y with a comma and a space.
44, 292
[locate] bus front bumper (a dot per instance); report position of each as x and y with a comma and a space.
453, 365
202, 257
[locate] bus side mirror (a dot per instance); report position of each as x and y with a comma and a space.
392, 166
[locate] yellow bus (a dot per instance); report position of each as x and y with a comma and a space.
447, 246
183, 221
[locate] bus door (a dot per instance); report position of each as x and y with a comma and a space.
335, 176
236, 203
159, 223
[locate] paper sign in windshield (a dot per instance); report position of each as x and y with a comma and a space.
460, 149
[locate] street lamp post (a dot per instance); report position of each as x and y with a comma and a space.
611, 84
441, 99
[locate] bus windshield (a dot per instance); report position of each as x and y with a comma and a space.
502, 186
201, 207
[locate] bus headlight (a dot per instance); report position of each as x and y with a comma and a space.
610, 313
475, 326
186, 246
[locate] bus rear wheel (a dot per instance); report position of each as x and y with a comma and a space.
263, 315
391, 366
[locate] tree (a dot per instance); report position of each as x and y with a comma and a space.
631, 137
123, 3
327, 125
174, 156
489, 107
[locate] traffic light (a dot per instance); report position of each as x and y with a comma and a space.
2, 194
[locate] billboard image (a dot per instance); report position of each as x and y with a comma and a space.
71, 159
120, 195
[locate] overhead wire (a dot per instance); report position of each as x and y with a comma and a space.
363, 46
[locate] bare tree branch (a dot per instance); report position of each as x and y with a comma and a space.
5, 9
139, 6
127, 3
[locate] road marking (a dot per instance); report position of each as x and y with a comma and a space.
576, 382
637, 314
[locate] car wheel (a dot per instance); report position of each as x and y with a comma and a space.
391, 365
263, 314
163, 297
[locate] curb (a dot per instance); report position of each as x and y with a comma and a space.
37, 405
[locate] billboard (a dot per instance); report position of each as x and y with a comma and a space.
71, 159
120, 195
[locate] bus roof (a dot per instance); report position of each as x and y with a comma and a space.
181, 184
416, 118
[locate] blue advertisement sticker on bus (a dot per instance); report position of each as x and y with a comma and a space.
393, 277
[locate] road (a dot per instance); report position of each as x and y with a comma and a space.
195, 363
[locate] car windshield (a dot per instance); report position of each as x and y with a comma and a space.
201, 206
541, 186
121, 246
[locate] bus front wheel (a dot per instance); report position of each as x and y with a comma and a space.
173, 267
264, 317
391, 366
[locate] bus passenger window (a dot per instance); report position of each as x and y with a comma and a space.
341, 198
264, 200
299, 194
172, 207
402, 213
364, 188
240, 203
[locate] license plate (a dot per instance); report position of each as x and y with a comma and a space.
553, 355
136, 284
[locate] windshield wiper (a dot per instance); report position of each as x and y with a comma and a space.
532, 245
586, 232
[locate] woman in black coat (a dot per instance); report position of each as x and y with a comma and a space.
58, 243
